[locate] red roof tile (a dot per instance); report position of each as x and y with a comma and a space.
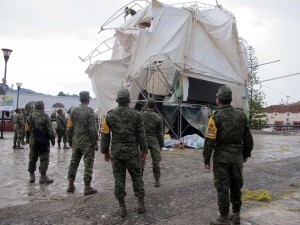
292, 108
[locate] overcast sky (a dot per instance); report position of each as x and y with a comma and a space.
47, 37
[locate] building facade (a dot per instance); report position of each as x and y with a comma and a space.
283, 115
52, 103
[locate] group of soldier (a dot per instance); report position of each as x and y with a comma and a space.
126, 137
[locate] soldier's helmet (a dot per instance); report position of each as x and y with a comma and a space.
39, 105
151, 103
84, 96
123, 96
224, 92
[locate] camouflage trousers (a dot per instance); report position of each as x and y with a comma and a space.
228, 180
88, 155
36, 153
133, 166
61, 134
156, 158
18, 135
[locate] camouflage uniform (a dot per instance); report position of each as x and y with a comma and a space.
123, 127
83, 137
229, 136
155, 136
18, 129
61, 128
38, 123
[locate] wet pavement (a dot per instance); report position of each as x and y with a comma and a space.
186, 196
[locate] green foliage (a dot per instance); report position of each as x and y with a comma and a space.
256, 95
61, 93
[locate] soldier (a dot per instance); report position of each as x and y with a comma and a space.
39, 125
128, 139
18, 129
23, 111
155, 137
128, 11
83, 139
228, 135
61, 129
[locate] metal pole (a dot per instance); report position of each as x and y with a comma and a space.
5, 58
18, 97
2, 123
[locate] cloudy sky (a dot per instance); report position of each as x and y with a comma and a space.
47, 38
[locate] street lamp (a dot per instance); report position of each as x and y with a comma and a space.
18, 86
6, 54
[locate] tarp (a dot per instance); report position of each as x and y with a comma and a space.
201, 44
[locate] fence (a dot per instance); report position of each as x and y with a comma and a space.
276, 127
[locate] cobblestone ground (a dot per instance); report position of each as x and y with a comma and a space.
186, 195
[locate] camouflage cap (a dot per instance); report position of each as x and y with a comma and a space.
151, 103
39, 105
224, 92
59, 111
123, 96
84, 96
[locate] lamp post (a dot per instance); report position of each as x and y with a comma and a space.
6, 54
18, 86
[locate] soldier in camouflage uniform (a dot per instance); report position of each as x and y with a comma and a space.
39, 125
155, 137
83, 139
128, 139
61, 129
18, 129
228, 135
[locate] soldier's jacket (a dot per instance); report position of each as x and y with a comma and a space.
61, 122
228, 134
81, 127
124, 128
18, 122
154, 127
42, 124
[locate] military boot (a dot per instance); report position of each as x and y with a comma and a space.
15, 145
19, 146
235, 218
222, 220
122, 208
71, 188
88, 190
141, 206
65, 147
157, 183
58, 144
32, 177
45, 180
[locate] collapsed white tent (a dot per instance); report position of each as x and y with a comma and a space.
162, 39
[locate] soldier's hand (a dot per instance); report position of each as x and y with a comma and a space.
207, 167
107, 157
143, 156
245, 160
96, 147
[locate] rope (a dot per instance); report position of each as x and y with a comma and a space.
264, 196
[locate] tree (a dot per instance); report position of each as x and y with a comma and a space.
257, 96
61, 93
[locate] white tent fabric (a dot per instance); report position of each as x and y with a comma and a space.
202, 44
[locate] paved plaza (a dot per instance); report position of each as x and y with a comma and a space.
186, 195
